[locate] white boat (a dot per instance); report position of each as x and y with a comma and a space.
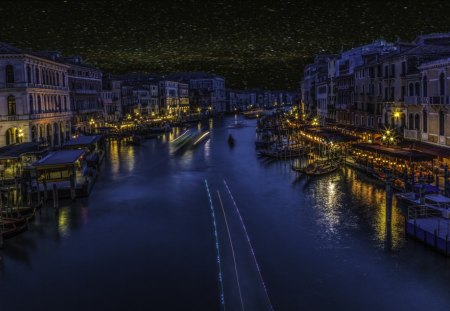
408, 197
438, 202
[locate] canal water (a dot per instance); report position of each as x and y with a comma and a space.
144, 239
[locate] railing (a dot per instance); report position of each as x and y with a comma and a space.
439, 100
49, 115
411, 134
32, 85
413, 100
14, 118
422, 211
84, 91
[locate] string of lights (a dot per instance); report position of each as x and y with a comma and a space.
249, 243
216, 237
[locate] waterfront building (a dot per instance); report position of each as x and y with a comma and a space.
34, 98
400, 78
169, 97
356, 101
85, 85
206, 91
109, 109
428, 115
308, 84
113, 111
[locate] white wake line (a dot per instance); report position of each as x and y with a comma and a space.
250, 244
232, 251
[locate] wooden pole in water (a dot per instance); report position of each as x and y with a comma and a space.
388, 203
44, 183
55, 196
72, 187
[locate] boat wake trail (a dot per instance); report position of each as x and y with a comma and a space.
249, 244
216, 238
240, 279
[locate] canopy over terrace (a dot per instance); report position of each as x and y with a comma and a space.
14, 157
83, 141
60, 165
330, 134
399, 153
15, 151
438, 151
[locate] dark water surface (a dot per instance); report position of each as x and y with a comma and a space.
144, 238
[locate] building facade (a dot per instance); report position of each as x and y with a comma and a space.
34, 98
85, 85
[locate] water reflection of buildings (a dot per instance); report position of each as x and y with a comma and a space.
373, 201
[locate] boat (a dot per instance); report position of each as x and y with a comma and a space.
321, 168
410, 198
135, 140
236, 125
231, 140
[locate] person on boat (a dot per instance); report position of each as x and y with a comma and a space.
230, 140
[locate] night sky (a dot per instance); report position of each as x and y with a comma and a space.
251, 44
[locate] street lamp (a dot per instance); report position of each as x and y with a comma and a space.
388, 137
20, 135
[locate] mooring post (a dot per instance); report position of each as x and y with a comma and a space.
389, 195
44, 183
72, 187
55, 196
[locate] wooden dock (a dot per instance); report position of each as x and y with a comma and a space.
427, 225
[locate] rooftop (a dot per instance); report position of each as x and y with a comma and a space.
16, 150
62, 157
83, 140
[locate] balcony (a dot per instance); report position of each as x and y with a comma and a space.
15, 118
439, 100
413, 100
23, 85
46, 115
411, 134
84, 91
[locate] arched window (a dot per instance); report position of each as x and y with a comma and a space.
411, 121
57, 79
425, 120
65, 103
441, 123
36, 75
411, 89
33, 133
9, 74
417, 87
11, 105
425, 86
31, 104
442, 84
403, 120
39, 103
29, 74
63, 79
417, 122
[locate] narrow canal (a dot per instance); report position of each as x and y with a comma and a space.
144, 238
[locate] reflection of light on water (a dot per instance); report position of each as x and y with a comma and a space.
63, 221
207, 150
375, 198
328, 205
114, 157
130, 159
